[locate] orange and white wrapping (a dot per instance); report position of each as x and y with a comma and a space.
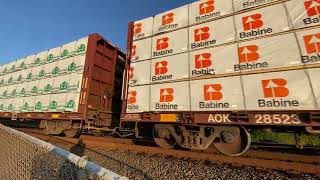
139, 73
138, 99
170, 97
219, 94
265, 21
287, 90
314, 75
304, 13
141, 50
143, 28
170, 43
170, 68
218, 60
246, 4
170, 20
205, 10
212, 33
267, 53
309, 42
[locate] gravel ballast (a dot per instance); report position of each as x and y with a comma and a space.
144, 166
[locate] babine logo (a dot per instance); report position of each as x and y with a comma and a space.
251, 25
252, 22
137, 28
203, 60
312, 7
201, 34
167, 19
162, 47
206, 7
162, 43
166, 99
167, 22
131, 72
161, 70
313, 11
275, 90
207, 11
161, 67
202, 64
250, 3
201, 38
132, 97
166, 95
312, 44
212, 92
248, 57
248, 53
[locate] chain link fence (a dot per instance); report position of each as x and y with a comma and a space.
25, 157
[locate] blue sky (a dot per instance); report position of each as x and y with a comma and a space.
31, 26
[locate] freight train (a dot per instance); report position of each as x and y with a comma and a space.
213, 73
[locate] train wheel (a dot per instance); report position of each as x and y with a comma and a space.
72, 133
52, 127
233, 141
163, 138
75, 131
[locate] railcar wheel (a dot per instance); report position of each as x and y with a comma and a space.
52, 127
71, 133
163, 138
233, 141
74, 132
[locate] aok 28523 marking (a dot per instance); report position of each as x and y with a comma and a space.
288, 119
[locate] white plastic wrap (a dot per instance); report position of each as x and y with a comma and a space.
143, 28
219, 60
170, 97
170, 20
37, 77
141, 50
287, 90
68, 50
170, 68
82, 45
204, 10
267, 53
4, 105
138, 99
42, 103
28, 104
11, 67
220, 94
53, 55
2, 90
265, 21
30, 60
170, 43
139, 73
40, 58
304, 13
309, 41
72, 101
212, 33
20, 64
57, 102
246, 4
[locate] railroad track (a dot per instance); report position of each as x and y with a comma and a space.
291, 163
